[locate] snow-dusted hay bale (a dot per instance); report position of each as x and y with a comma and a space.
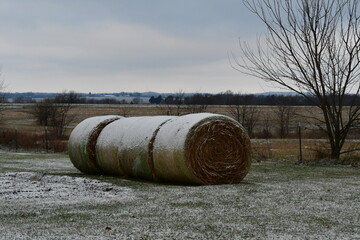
82, 143
202, 149
197, 148
124, 146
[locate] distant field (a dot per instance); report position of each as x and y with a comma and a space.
19, 117
42, 196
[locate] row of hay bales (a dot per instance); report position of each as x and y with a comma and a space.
199, 148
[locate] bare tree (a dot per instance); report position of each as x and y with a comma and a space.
235, 112
247, 115
125, 111
195, 104
43, 112
179, 102
63, 103
175, 104
2, 98
312, 48
284, 114
251, 118
54, 113
236, 107
266, 131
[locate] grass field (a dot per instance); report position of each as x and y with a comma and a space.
19, 117
42, 196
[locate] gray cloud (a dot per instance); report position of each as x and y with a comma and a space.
103, 46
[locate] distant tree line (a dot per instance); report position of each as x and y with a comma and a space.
78, 99
223, 98
229, 98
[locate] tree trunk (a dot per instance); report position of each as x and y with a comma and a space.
335, 153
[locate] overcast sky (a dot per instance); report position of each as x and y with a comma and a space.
125, 45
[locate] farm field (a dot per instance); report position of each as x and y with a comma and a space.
19, 117
42, 196
20, 114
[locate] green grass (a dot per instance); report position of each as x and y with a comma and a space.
277, 200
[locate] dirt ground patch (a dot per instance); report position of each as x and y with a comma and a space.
42, 196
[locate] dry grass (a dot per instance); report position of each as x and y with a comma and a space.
313, 150
18, 116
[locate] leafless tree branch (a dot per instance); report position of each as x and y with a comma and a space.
313, 49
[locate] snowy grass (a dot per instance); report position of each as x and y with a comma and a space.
42, 196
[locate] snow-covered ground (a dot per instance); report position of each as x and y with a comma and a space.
42, 196
26, 187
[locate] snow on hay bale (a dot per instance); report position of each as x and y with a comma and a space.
123, 146
82, 142
199, 148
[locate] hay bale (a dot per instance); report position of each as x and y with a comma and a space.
197, 148
124, 146
202, 149
82, 141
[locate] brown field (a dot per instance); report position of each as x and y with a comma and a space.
18, 117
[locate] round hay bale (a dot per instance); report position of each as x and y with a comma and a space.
82, 141
197, 148
124, 146
202, 149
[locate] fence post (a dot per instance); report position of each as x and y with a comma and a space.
300, 144
46, 139
16, 140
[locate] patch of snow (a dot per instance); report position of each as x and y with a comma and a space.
40, 187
